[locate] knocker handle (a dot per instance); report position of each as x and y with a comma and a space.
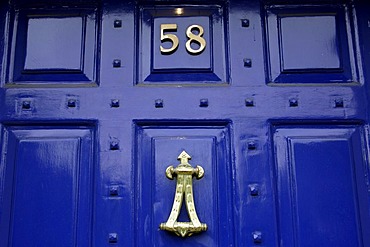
184, 173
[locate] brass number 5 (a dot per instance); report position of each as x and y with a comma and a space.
170, 37
192, 38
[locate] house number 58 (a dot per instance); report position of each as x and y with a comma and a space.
192, 38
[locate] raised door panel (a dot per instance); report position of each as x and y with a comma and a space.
47, 180
320, 177
158, 146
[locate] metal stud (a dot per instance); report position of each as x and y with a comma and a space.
293, 102
71, 103
158, 103
247, 62
257, 237
249, 102
117, 23
339, 103
254, 189
245, 23
114, 103
252, 145
26, 105
116, 63
113, 190
203, 103
113, 238
114, 145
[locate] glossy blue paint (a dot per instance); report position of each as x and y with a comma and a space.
279, 105
48, 186
309, 195
158, 146
211, 66
321, 36
54, 46
51, 38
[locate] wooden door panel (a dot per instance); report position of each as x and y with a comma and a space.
53, 46
320, 175
321, 34
158, 146
47, 180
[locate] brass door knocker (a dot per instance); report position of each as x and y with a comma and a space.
184, 173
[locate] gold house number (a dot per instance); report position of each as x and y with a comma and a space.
192, 38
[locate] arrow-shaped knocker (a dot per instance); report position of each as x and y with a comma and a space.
184, 173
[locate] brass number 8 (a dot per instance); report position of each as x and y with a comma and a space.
195, 38
192, 38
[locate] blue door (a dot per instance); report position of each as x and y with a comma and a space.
159, 123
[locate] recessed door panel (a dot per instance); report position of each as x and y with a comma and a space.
310, 44
182, 45
51, 46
